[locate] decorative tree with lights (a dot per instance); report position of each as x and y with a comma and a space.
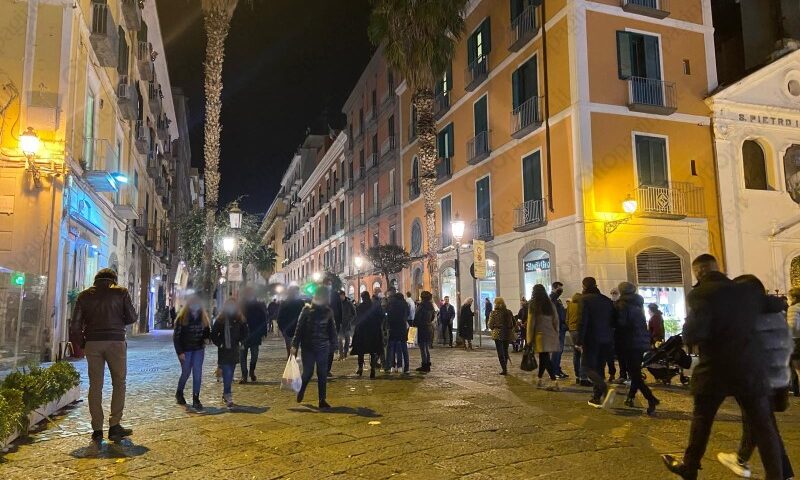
388, 259
419, 39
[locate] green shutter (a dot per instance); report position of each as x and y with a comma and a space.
516, 9
486, 28
450, 140
483, 199
530, 82
652, 57
532, 177
624, 54
480, 112
516, 89
472, 48
440, 143
449, 77
651, 161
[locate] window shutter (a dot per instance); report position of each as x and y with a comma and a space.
516, 94
440, 143
532, 177
472, 48
516, 8
624, 54
652, 57
658, 267
450, 141
486, 28
449, 78
479, 112
530, 82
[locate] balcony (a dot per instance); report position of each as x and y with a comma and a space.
153, 239
154, 97
358, 220
100, 156
445, 241
154, 165
443, 170
441, 104
125, 206
374, 209
372, 161
142, 138
132, 13
372, 117
348, 184
161, 186
652, 95
162, 128
476, 72
141, 226
523, 29
526, 118
674, 201
482, 229
144, 61
650, 8
412, 131
478, 148
388, 146
529, 215
126, 99
104, 35
413, 188
389, 201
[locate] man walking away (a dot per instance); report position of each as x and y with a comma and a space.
446, 315
102, 312
255, 313
596, 336
555, 296
574, 312
288, 314
487, 310
272, 314
721, 324
346, 329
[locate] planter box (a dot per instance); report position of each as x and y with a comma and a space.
42, 412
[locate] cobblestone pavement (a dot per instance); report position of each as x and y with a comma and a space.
463, 420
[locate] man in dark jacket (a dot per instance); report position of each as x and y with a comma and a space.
315, 336
446, 315
255, 312
272, 314
555, 296
397, 318
721, 324
288, 313
101, 314
596, 336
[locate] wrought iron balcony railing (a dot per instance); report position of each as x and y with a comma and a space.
443, 170
675, 200
652, 95
476, 72
482, 229
651, 8
526, 118
529, 215
523, 28
478, 148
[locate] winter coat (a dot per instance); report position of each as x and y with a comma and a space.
423, 320
466, 319
336, 307
192, 336
348, 318
412, 309
721, 321
574, 312
256, 314
367, 335
316, 329
597, 320
397, 318
793, 320
501, 323
228, 356
487, 309
656, 328
446, 314
288, 313
560, 311
102, 312
777, 344
542, 331
631, 324
522, 313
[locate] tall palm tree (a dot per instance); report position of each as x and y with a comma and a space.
419, 38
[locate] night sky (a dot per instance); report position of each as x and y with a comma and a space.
287, 64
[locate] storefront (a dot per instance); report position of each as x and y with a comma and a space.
448, 283
536, 270
661, 281
487, 288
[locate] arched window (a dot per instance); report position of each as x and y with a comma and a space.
414, 182
794, 272
416, 237
791, 168
754, 165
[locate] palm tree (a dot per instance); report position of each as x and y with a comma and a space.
419, 39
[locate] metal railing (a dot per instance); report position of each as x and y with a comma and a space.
374, 208
443, 169
527, 116
482, 229
478, 147
388, 145
677, 199
530, 214
651, 95
389, 200
441, 104
476, 72
523, 28
653, 8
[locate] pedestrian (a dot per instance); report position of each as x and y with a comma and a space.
615, 352
655, 325
367, 336
412, 307
272, 314
634, 340
721, 324
772, 332
101, 314
255, 312
596, 337
192, 331
173, 314
542, 335
288, 313
793, 321
466, 319
423, 320
501, 324
227, 333
397, 319
446, 315
346, 329
314, 337
574, 312
487, 310
557, 289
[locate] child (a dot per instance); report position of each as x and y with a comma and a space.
230, 329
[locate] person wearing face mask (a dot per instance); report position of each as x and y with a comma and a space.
315, 336
229, 330
192, 330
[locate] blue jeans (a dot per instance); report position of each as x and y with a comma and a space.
318, 357
576, 358
398, 354
253, 349
192, 363
425, 353
555, 357
227, 377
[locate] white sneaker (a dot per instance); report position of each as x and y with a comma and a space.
731, 460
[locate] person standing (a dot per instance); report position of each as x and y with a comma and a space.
446, 315
574, 312
466, 319
315, 336
721, 324
655, 326
192, 330
288, 313
423, 320
101, 314
255, 312
634, 340
346, 328
272, 314
397, 318
596, 337
412, 307
557, 289
793, 321
542, 334
501, 324
367, 336
487, 310
227, 333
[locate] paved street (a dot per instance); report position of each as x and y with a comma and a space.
460, 421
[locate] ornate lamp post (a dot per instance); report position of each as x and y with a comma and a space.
457, 229
235, 217
358, 262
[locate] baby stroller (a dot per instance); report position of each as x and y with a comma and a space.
519, 341
668, 360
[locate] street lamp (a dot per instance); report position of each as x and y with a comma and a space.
457, 229
29, 143
358, 261
629, 206
316, 276
235, 214
228, 243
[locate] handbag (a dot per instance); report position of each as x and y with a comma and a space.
528, 360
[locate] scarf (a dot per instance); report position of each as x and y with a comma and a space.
228, 334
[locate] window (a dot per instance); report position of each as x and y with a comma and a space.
350, 168
524, 83
376, 240
638, 55
416, 237
375, 144
360, 121
135, 180
791, 166
445, 84
518, 7
754, 164
361, 164
390, 126
446, 204
89, 131
483, 200
122, 63
651, 161
532, 177
445, 142
479, 44
374, 102
480, 113
393, 235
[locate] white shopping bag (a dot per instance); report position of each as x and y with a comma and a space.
412, 335
291, 375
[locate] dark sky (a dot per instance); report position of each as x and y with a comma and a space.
287, 62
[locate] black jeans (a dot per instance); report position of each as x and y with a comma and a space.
748, 444
594, 358
447, 333
634, 369
312, 358
759, 413
622, 361
546, 363
253, 349
373, 361
502, 352
576, 358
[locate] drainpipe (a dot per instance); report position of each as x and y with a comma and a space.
549, 162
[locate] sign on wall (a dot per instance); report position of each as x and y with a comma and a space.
479, 253
537, 265
235, 272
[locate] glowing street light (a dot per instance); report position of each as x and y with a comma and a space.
235, 214
316, 276
457, 228
228, 243
30, 143
629, 205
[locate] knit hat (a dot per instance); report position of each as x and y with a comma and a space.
626, 288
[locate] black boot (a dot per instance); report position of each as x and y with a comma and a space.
196, 403
179, 398
118, 432
252, 375
372, 372
652, 403
679, 468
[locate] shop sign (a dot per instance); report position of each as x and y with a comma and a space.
537, 265
769, 120
479, 254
